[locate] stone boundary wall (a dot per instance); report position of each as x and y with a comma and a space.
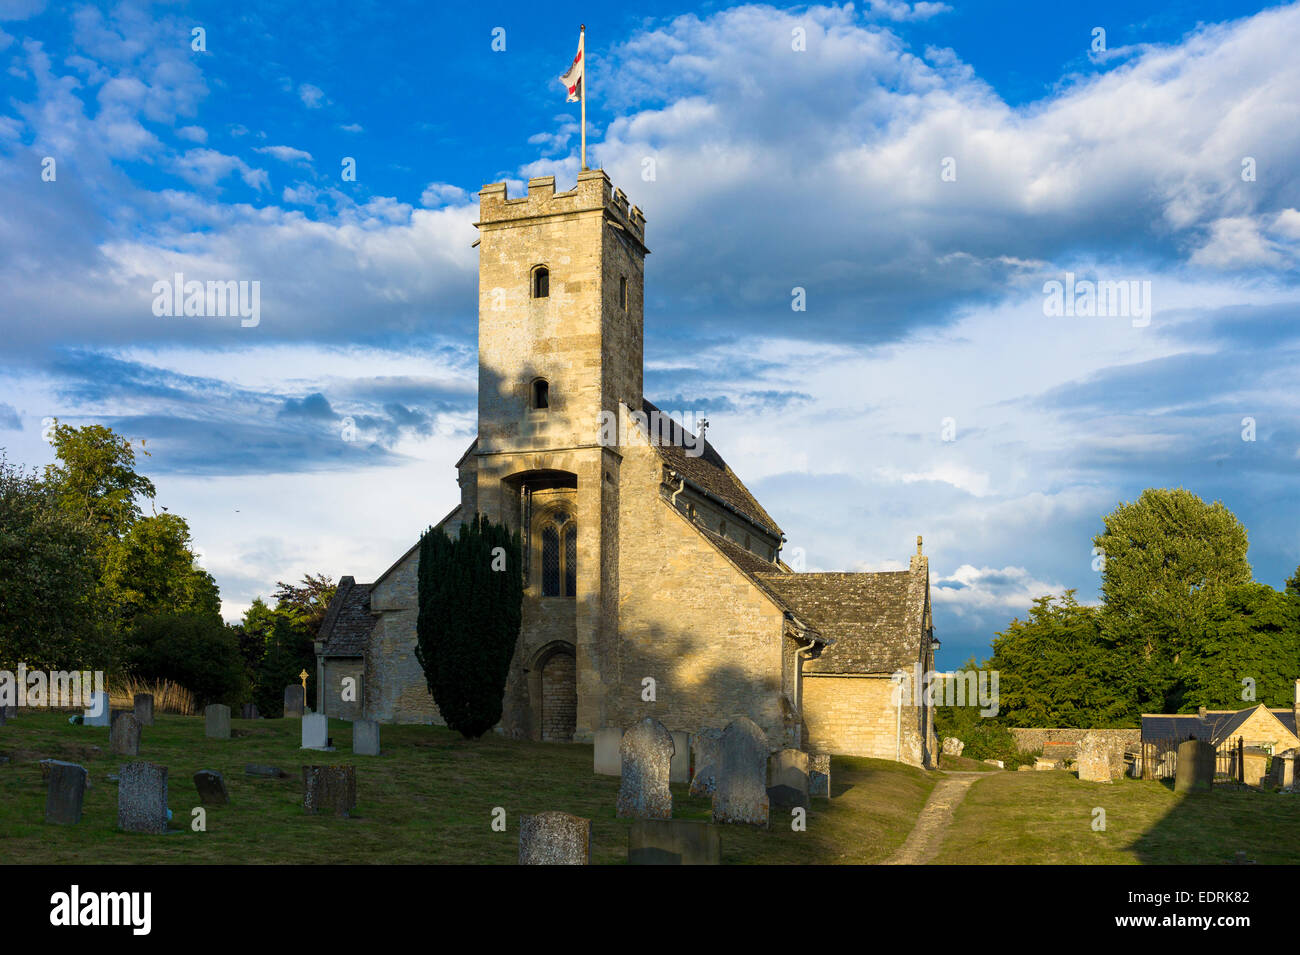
1029, 739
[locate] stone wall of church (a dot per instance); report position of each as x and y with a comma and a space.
706, 634
395, 689
851, 715
337, 669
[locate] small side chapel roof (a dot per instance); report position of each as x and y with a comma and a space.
869, 616
345, 631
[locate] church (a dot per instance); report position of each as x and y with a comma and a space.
654, 581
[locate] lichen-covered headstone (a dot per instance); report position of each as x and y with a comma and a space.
216, 721
789, 772
554, 838
819, 775
329, 789
707, 747
741, 793
1093, 761
606, 758
97, 714
64, 793
646, 751
212, 787
143, 704
294, 700
124, 736
365, 737
142, 798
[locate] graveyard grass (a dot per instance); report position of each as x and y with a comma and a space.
427, 799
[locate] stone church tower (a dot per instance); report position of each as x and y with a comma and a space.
560, 342
647, 560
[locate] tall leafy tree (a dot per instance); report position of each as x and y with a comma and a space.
306, 602
95, 477
50, 615
152, 570
1169, 557
197, 651
1253, 632
470, 611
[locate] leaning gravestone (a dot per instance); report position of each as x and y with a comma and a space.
554, 838
646, 751
216, 721
741, 793
124, 736
65, 792
295, 700
707, 747
1093, 761
329, 789
819, 775
315, 731
789, 768
212, 787
679, 767
365, 737
607, 760
143, 703
142, 798
97, 714
673, 842
1195, 769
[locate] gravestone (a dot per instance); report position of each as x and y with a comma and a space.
124, 736
142, 798
673, 842
266, 772
646, 751
554, 838
248, 711
365, 737
707, 747
952, 746
789, 773
47, 765
741, 793
98, 713
607, 759
315, 731
143, 703
1093, 761
1195, 766
1284, 769
216, 721
1254, 763
212, 787
294, 700
329, 789
679, 767
819, 775
64, 793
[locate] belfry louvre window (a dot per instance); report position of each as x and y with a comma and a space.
559, 556
541, 282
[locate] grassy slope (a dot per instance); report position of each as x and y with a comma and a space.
1046, 817
427, 799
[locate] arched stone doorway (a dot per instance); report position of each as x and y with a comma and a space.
558, 693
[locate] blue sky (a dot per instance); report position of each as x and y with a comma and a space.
774, 168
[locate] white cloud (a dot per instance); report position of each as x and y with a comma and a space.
313, 97
286, 154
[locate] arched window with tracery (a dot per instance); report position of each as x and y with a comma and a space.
559, 556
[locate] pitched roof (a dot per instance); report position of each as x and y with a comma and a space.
868, 615
708, 472
1214, 727
345, 631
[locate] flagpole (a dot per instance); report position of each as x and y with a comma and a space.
583, 36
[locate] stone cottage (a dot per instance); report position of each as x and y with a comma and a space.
648, 563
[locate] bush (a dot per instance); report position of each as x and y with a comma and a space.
197, 651
471, 605
289, 651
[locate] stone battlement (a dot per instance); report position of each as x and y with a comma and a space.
593, 191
